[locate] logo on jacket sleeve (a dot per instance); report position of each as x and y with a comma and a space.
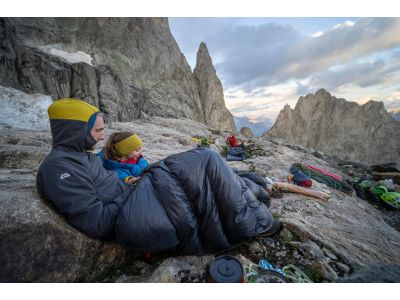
65, 175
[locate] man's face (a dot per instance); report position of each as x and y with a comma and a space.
97, 131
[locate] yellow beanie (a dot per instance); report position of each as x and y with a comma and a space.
71, 109
126, 146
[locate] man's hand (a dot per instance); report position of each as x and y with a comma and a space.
132, 180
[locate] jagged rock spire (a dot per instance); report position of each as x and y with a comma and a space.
211, 92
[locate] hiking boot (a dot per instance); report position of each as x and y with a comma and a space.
275, 227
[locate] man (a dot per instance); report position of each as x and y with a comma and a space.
74, 180
190, 202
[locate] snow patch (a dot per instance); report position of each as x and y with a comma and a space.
317, 34
71, 57
24, 111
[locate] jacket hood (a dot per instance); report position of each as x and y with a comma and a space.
69, 122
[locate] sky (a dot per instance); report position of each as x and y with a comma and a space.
265, 63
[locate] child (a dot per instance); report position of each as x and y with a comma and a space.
123, 153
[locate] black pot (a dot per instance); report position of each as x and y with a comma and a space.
226, 269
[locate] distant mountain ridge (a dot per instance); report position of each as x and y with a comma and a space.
257, 127
365, 133
394, 112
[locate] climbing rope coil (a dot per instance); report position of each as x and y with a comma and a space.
266, 272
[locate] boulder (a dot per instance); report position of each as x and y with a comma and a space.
182, 269
246, 131
37, 245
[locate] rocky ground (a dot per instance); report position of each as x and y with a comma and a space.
326, 240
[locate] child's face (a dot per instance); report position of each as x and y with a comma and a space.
136, 153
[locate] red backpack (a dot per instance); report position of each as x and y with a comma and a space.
232, 141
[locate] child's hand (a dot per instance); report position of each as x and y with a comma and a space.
132, 180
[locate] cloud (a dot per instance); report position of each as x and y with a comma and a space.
265, 66
317, 34
395, 96
364, 75
337, 26
364, 99
303, 89
396, 57
393, 100
265, 103
190, 32
255, 56
344, 25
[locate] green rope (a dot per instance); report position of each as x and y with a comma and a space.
251, 273
378, 190
295, 274
333, 183
291, 272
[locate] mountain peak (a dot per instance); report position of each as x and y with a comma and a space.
341, 128
322, 92
203, 59
211, 92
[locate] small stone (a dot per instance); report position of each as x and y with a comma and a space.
324, 270
318, 154
121, 279
313, 249
244, 260
285, 235
280, 254
343, 267
296, 255
396, 188
296, 245
329, 254
256, 248
269, 242
139, 264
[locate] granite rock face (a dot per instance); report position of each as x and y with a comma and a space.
211, 93
331, 239
37, 246
128, 67
365, 133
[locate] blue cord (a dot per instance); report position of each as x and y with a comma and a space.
266, 265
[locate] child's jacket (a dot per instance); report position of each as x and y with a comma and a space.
124, 170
